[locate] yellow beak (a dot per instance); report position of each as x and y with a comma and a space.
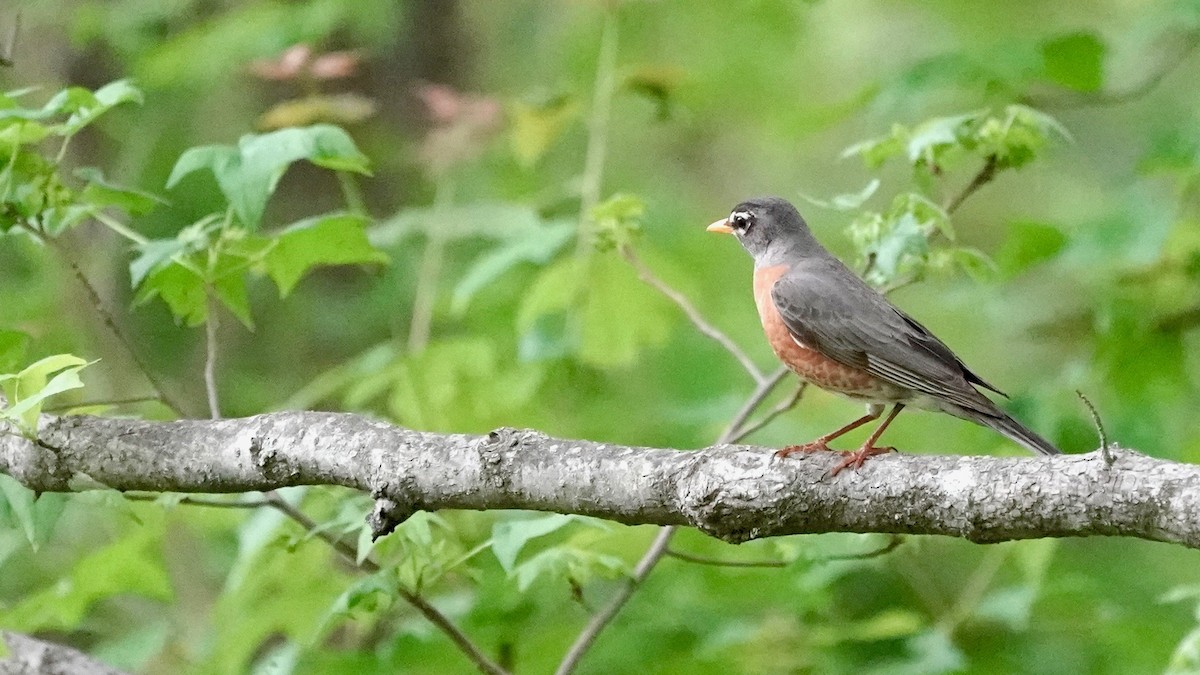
721, 226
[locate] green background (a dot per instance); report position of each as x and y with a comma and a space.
1095, 287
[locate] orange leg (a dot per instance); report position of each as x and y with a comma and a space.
868, 449
822, 444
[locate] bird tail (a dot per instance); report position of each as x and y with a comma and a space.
1008, 426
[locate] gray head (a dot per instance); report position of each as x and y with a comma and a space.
771, 230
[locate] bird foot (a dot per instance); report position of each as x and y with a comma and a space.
818, 445
856, 458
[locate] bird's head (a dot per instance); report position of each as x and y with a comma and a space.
770, 229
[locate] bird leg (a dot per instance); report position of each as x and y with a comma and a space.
822, 444
855, 459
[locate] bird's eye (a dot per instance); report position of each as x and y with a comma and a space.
741, 221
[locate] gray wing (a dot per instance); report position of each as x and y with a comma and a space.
838, 315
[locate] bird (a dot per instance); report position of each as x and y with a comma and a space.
835, 331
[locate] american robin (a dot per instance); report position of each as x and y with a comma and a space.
833, 330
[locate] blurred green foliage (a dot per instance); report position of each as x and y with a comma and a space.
439, 260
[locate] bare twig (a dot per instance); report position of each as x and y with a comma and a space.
600, 620
659, 547
984, 176
780, 408
111, 323
597, 146
893, 543
717, 562
107, 402
202, 501
1149, 83
764, 389
693, 314
431, 613
430, 272
1104, 449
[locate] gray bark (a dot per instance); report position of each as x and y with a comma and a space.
732, 492
31, 656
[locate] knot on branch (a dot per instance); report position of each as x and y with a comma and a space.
734, 495
497, 449
274, 465
388, 513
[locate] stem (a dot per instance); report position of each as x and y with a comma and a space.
430, 270
693, 315
111, 323
661, 544
352, 193
701, 560
974, 589
983, 177
431, 613
732, 431
780, 408
599, 621
597, 146
210, 357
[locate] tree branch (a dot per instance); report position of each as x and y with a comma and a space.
735, 493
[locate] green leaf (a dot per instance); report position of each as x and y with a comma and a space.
1027, 244
248, 174
130, 565
536, 127
510, 536
29, 388
621, 315
1075, 61
85, 109
565, 562
28, 407
154, 254
101, 193
875, 151
20, 500
931, 139
555, 290
181, 288
338, 239
534, 245
846, 202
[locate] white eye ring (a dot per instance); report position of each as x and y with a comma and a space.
740, 219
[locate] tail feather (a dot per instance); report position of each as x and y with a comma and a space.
1013, 429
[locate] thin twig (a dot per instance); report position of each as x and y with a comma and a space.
431, 613
1104, 449
598, 622
210, 357
111, 323
107, 402
430, 271
1137, 91
893, 543
780, 408
659, 548
597, 145
717, 562
755, 399
693, 314
201, 501
972, 592
983, 177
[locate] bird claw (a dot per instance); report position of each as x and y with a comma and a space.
818, 445
856, 458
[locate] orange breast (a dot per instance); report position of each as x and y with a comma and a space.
809, 364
